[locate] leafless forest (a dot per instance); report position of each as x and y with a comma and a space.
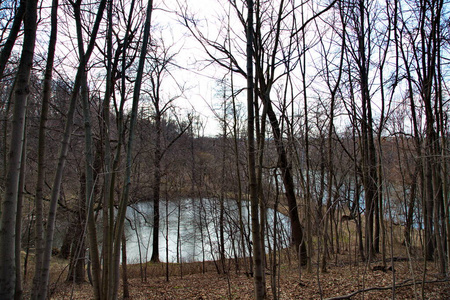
333, 113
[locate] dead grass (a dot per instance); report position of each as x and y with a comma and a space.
345, 275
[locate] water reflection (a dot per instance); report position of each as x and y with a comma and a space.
193, 225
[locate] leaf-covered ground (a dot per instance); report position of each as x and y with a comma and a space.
344, 276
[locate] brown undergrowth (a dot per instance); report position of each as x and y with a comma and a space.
345, 275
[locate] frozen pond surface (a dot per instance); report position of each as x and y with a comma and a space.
193, 224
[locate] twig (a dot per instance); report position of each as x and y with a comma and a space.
381, 288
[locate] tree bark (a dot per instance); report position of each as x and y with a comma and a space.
126, 291
77, 246
9, 203
14, 31
369, 169
286, 175
118, 232
105, 153
19, 286
63, 154
38, 200
260, 289
156, 183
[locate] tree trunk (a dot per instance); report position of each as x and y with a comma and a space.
296, 228
126, 291
90, 199
156, 183
222, 186
46, 94
118, 232
306, 255
369, 170
265, 80
261, 135
104, 149
10, 41
19, 286
9, 203
89, 190
260, 289
77, 250
63, 155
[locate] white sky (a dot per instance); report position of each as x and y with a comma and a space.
201, 80
200, 83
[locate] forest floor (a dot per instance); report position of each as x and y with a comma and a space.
414, 279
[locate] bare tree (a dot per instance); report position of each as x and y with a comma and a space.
46, 94
13, 33
260, 289
118, 230
43, 284
10, 199
332, 78
361, 21
160, 63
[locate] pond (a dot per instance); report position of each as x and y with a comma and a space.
193, 226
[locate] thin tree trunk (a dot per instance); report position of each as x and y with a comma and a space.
156, 183
222, 185
438, 180
46, 94
262, 202
126, 291
9, 203
11, 40
307, 256
18, 241
330, 174
443, 163
239, 185
127, 179
369, 170
89, 169
296, 228
274, 265
77, 247
108, 196
63, 156
260, 289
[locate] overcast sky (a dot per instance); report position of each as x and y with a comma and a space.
200, 76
